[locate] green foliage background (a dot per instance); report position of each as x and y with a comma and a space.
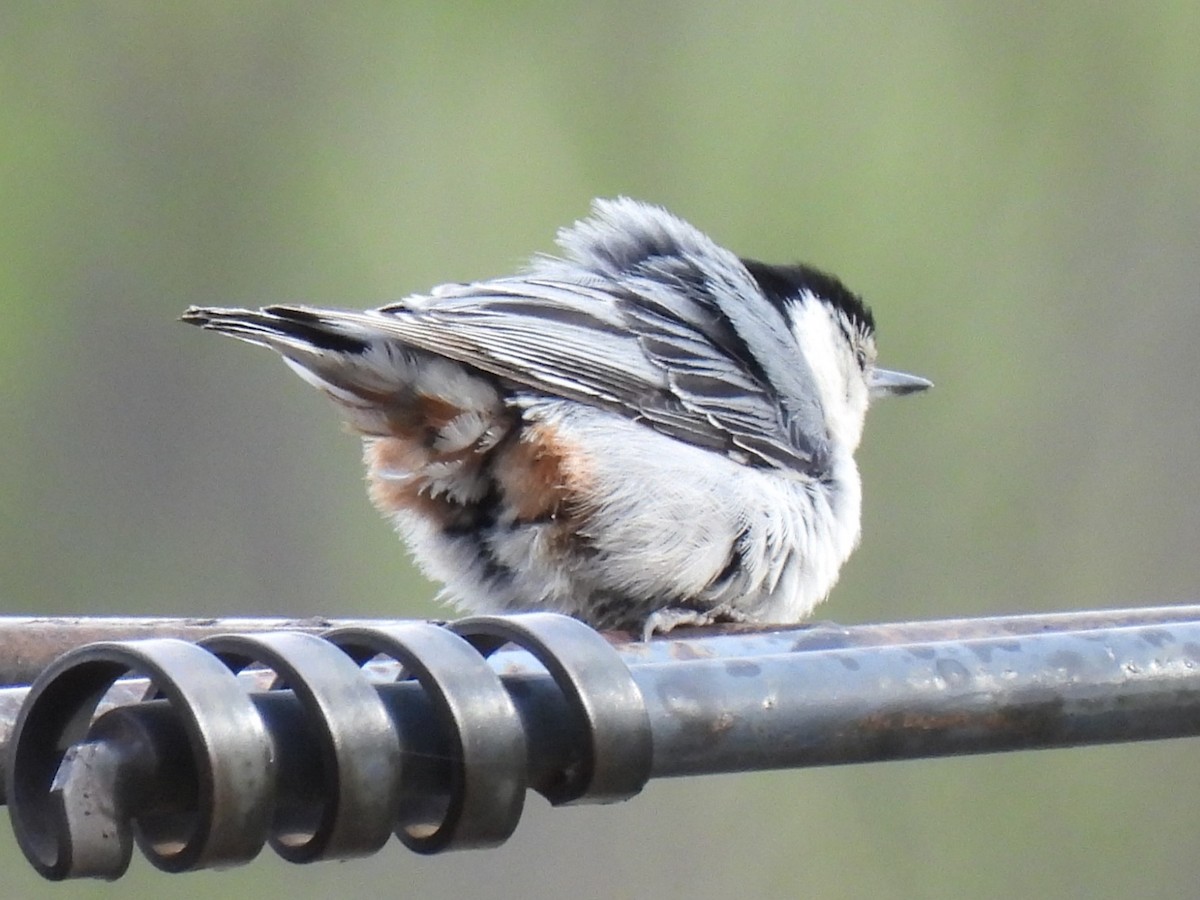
1015, 186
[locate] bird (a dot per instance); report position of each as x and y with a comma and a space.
643, 431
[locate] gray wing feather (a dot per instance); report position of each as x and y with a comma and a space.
561, 338
763, 329
669, 353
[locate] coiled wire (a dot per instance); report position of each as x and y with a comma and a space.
204, 770
323, 746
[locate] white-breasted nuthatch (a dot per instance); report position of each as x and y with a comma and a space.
646, 432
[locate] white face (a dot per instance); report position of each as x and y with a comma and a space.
840, 367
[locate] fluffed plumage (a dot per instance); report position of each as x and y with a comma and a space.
646, 431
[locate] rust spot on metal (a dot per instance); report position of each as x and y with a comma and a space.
743, 668
1027, 725
954, 673
684, 651
722, 723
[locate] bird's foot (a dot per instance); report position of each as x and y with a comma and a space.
663, 620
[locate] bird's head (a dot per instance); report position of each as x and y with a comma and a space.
835, 332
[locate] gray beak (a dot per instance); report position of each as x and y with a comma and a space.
884, 382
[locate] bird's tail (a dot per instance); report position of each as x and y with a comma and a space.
359, 370
286, 329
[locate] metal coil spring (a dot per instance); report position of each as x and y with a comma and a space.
200, 769
203, 754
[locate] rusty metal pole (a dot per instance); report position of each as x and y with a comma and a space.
474, 723
30, 643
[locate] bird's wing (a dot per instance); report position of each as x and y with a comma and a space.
652, 348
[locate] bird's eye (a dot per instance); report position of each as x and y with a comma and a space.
861, 356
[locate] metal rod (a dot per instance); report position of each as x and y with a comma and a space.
924, 700
570, 715
716, 713
30, 643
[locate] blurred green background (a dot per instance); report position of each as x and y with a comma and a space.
1015, 187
